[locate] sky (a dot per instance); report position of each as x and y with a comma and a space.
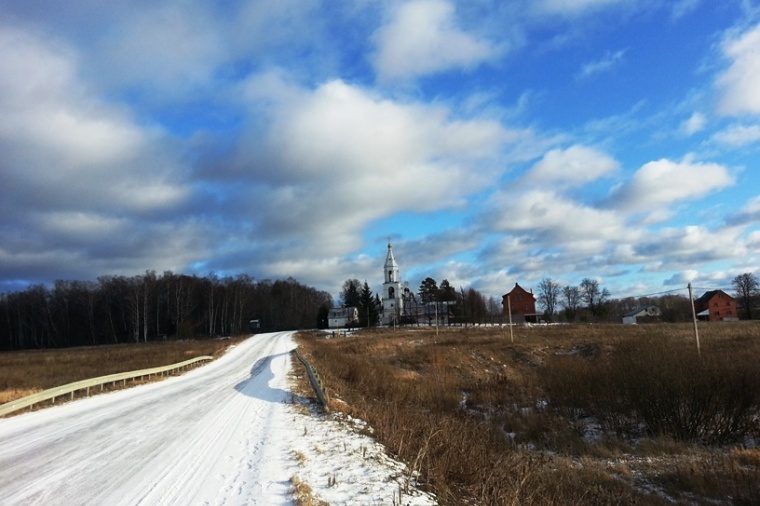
491, 142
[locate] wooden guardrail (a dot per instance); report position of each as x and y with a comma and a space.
315, 380
71, 388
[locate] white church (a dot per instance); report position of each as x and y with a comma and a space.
393, 300
399, 305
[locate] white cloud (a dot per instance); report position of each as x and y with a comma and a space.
750, 212
682, 278
85, 187
422, 38
605, 64
692, 245
574, 166
682, 8
740, 82
663, 182
341, 157
74, 148
573, 7
545, 213
695, 123
738, 135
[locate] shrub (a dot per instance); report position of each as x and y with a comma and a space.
663, 386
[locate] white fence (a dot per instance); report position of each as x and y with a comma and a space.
70, 388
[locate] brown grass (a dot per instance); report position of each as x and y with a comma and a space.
480, 417
30, 371
303, 494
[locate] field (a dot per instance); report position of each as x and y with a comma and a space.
30, 371
566, 414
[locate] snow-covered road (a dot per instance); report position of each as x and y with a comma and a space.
224, 433
195, 439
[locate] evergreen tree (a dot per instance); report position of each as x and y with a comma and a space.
350, 294
428, 290
369, 313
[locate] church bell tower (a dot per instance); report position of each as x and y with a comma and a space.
392, 301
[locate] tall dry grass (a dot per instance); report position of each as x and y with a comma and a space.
26, 372
479, 418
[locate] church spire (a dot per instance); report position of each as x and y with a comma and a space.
392, 300
390, 262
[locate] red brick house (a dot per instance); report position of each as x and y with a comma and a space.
523, 304
715, 305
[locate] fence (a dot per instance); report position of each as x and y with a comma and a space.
71, 388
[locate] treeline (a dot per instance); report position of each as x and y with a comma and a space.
120, 309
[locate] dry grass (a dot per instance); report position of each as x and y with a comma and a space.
30, 371
303, 495
480, 418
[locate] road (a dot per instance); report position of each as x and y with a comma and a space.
207, 437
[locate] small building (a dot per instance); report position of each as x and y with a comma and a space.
716, 305
642, 314
522, 303
341, 317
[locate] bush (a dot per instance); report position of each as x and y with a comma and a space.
663, 386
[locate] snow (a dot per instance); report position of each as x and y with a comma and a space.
225, 433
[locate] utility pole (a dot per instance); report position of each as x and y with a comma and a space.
509, 309
436, 318
694, 318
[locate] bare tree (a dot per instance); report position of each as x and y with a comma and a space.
571, 299
548, 296
593, 295
747, 291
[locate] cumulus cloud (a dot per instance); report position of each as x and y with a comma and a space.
340, 156
422, 38
750, 212
554, 217
695, 123
741, 80
692, 245
574, 166
660, 183
738, 135
77, 172
681, 278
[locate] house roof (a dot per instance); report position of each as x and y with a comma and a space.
710, 294
520, 289
639, 309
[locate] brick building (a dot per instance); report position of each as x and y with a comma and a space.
716, 305
523, 304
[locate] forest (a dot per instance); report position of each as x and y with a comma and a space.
149, 307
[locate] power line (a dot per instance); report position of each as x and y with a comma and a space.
660, 293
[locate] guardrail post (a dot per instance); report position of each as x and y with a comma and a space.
314, 380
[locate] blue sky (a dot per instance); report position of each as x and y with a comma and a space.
492, 142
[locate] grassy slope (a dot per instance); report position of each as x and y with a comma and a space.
473, 413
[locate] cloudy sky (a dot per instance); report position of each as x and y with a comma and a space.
491, 141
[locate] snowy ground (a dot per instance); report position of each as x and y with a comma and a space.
226, 433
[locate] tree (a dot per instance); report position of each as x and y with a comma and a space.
369, 314
548, 296
428, 290
747, 291
593, 296
571, 300
350, 293
447, 292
